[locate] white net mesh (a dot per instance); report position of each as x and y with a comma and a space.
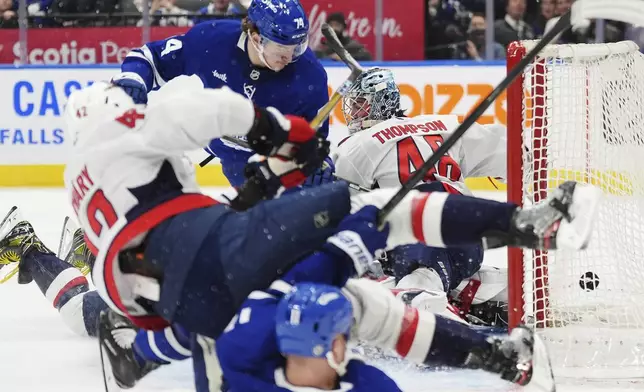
583, 119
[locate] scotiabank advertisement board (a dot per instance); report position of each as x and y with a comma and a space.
32, 130
403, 36
77, 46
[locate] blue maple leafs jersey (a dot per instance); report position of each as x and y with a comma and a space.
216, 51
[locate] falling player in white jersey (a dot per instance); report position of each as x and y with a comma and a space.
383, 151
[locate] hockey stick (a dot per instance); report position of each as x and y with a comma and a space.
352, 185
325, 111
562, 24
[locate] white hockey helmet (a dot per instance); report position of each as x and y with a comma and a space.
88, 107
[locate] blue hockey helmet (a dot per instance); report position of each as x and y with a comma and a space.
310, 317
283, 28
373, 98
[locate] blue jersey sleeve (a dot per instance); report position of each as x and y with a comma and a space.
365, 378
320, 267
160, 61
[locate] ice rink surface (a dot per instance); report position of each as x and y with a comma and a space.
39, 354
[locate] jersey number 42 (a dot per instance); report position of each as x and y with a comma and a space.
411, 159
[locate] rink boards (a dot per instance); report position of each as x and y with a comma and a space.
34, 143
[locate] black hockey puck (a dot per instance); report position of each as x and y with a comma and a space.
589, 281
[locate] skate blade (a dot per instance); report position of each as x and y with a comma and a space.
10, 220
8, 223
66, 238
542, 379
109, 381
575, 234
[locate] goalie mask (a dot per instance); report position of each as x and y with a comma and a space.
283, 31
373, 98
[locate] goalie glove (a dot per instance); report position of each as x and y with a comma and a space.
133, 85
288, 137
358, 240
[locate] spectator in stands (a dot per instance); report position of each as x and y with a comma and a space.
513, 27
546, 12
159, 8
578, 34
219, 8
8, 14
474, 46
561, 7
442, 33
356, 49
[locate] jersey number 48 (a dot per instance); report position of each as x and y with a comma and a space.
411, 159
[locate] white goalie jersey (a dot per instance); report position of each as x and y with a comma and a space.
387, 154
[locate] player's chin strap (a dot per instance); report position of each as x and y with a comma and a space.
341, 367
629, 11
260, 53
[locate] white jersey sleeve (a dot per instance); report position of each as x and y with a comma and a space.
118, 166
194, 116
482, 151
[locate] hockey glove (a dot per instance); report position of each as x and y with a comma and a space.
133, 86
358, 239
265, 179
288, 137
322, 175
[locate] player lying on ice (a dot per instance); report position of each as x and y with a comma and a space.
383, 150
313, 322
135, 194
294, 334
265, 57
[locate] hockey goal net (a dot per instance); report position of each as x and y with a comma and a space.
577, 113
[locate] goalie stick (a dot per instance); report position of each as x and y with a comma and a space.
325, 111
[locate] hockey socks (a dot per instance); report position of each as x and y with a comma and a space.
440, 219
65, 288
453, 342
162, 346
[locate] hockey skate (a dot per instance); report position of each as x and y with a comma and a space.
116, 335
521, 358
17, 238
73, 249
563, 221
